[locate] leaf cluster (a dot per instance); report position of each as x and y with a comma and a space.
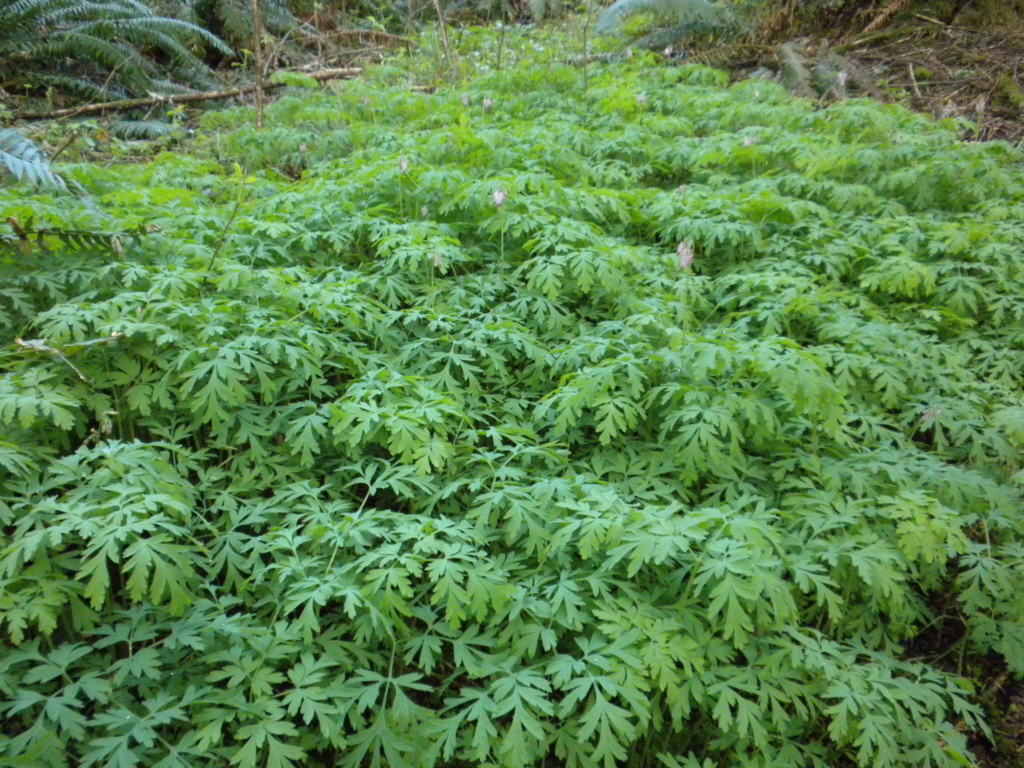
99, 50
371, 469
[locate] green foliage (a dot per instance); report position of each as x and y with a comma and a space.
22, 159
232, 19
541, 9
98, 49
345, 463
689, 15
142, 129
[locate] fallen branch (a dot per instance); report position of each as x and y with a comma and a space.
444, 34
578, 61
381, 39
179, 98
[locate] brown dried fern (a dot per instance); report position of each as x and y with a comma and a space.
885, 15
779, 22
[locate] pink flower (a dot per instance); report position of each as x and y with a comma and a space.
685, 254
500, 196
403, 164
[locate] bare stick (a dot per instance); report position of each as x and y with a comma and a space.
257, 49
913, 79
444, 34
586, 57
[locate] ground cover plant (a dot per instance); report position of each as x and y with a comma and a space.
520, 424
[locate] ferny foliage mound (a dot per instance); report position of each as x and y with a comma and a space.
405, 433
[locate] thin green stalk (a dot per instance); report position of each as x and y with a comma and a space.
501, 45
586, 56
227, 226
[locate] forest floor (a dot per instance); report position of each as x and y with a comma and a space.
1010, 730
953, 72
947, 71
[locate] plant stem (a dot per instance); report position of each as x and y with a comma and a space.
586, 68
257, 40
444, 34
686, 302
227, 226
501, 45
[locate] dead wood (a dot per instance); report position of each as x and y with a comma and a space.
179, 98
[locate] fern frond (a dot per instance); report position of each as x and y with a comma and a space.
795, 74
235, 17
236, 22
173, 31
697, 12
884, 16
133, 72
108, 41
141, 129
26, 161
81, 88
